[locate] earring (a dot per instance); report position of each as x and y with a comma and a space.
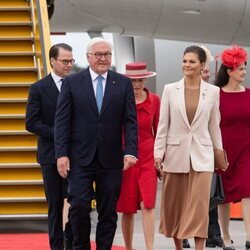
201, 71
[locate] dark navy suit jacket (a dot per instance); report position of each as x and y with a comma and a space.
80, 130
40, 116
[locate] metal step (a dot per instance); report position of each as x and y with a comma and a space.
22, 53
14, 23
20, 182
16, 8
23, 216
12, 116
19, 165
15, 132
18, 38
7, 69
16, 84
13, 100
11, 149
22, 199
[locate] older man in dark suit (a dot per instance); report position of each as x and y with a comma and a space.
95, 139
40, 116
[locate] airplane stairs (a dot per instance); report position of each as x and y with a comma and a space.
23, 33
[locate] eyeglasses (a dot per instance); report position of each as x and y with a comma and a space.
99, 55
66, 62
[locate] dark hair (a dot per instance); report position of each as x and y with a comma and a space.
222, 77
54, 50
200, 52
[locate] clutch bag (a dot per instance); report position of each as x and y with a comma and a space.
217, 195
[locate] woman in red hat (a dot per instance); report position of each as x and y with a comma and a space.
235, 128
139, 184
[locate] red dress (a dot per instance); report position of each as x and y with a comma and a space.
140, 181
235, 129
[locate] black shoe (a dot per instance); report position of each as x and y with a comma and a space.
247, 245
185, 243
229, 248
214, 241
68, 244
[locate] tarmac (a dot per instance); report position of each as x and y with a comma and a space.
161, 242
237, 231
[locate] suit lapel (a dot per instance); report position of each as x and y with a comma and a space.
202, 101
181, 101
88, 89
50, 88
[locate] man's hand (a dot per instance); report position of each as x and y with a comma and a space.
63, 166
129, 161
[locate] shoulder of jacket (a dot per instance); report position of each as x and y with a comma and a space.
41, 82
153, 95
210, 85
172, 85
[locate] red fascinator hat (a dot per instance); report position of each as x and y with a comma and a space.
233, 57
138, 70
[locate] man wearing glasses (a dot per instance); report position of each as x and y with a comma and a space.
95, 139
40, 116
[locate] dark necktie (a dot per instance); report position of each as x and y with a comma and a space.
62, 82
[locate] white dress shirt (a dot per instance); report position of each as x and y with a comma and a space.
57, 79
94, 79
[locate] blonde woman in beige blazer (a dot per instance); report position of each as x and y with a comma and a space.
188, 131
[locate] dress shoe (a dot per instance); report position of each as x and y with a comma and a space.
185, 243
228, 248
214, 241
247, 245
68, 244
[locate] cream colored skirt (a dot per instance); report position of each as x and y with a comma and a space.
185, 204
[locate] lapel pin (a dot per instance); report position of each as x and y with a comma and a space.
114, 82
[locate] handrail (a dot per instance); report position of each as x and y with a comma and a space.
42, 25
35, 55
37, 63
39, 71
33, 17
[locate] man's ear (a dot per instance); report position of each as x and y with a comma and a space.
52, 61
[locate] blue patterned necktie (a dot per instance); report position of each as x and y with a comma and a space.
99, 93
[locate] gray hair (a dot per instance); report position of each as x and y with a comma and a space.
95, 41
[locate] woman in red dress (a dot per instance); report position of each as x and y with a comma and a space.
139, 184
235, 128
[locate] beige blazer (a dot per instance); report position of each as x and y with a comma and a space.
178, 142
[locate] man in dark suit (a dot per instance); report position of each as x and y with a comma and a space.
95, 139
40, 116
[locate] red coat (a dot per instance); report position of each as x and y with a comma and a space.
140, 181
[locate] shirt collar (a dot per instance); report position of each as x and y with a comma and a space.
55, 77
94, 75
146, 105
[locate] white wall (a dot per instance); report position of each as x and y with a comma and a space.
124, 51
